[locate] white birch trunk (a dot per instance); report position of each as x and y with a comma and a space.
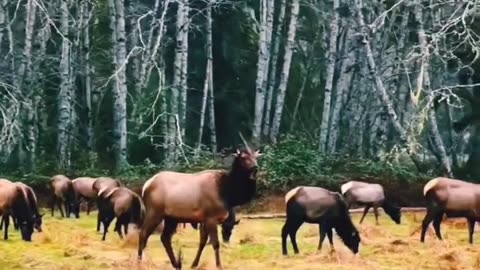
207, 74
272, 74
177, 80
432, 121
184, 77
120, 88
380, 89
64, 99
3, 21
344, 83
88, 76
261, 71
332, 56
211, 97
282, 87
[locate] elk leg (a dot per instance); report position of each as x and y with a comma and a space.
89, 205
293, 235
1, 223
52, 203
125, 228
168, 231
322, 231
67, 208
431, 213
106, 223
15, 223
284, 237
201, 245
98, 221
118, 228
330, 237
59, 204
375, 211
471, 227
151, 222
6, 220
365, 211
436, 224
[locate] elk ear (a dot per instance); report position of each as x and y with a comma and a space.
236, 222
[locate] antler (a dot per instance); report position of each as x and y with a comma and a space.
245, 142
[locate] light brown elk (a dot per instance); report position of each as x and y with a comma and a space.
452, 197
370, 195
63, 194
203, 197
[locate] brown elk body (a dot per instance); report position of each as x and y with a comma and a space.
120, 203
33, 204
204, 197
318, 206
104, 184
83, 188
455, 199
63, 194
369, 195
14, 201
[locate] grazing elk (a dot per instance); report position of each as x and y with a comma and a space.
105, 184
120, 203
63, 193
452, 197
14, 201
228, 225
204, 197
33, 204
369, 195
318, 206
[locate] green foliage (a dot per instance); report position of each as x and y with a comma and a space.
296, 161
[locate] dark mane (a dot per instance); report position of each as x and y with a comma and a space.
21, 208
343, 223
236, 187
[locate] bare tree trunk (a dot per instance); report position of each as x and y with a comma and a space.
282, 87
211, 97
207, 74
332, 56
177, 80
379, 87
88, 76
344, 83
272, 74
432, 123
262, 66
184, 76
3, 21
117, 14
64, 102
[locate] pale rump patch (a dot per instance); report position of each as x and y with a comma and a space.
346, 187
102, 190
110, 193
74, 180
430, 185
291, 193
146, 185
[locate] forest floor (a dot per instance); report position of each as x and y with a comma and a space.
255, 244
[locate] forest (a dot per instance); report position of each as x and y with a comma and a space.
325, 89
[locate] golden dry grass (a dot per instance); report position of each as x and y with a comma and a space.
74, 245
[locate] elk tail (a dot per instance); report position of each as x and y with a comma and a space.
137, 212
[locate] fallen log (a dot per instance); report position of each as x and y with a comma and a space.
356, 210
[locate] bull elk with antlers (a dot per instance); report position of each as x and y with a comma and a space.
204, 197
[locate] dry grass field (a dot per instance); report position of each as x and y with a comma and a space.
74, 244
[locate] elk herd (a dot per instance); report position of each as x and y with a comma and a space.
207, 199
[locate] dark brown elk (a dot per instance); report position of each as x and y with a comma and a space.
33, 204
455, 199
14, 201
105, 184
369, 195
203, 197
63, 194
318, 206
120, 203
